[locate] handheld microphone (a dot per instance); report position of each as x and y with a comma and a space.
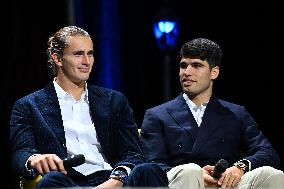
74, 161
220, 168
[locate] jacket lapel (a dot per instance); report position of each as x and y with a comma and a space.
182, 114
49, 107
211, 119
100, 114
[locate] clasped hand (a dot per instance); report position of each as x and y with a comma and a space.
230, 178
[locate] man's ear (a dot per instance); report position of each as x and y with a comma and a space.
215, 72
57, 59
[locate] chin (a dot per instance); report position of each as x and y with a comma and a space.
188, 92
84, 78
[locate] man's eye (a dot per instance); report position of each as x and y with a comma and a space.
90, 54
183, 65
78, 53
196, 65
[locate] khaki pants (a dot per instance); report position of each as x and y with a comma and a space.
190, 176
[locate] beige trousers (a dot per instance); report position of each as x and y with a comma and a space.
190, 176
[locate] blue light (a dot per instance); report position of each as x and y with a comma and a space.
166, 32
166, 26
157, 32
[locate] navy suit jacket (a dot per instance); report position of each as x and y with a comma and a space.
36, 126
227, 131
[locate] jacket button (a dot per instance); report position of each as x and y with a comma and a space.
180, 145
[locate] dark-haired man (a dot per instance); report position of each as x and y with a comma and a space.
190, 133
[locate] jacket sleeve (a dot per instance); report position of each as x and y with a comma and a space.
258, 150
22, 141
153, 142
126, 146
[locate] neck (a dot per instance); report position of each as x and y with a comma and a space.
200, 98
74, 88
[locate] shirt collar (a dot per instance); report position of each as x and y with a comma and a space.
61, 94
190, 103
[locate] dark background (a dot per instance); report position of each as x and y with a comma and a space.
250, 35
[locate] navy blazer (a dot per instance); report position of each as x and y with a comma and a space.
227, 131
36, 126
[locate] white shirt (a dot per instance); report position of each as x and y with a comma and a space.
80, 132
197, 111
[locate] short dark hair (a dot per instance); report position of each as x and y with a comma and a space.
203, 49
58, 42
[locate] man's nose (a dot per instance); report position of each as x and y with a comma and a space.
87, 59
188, 70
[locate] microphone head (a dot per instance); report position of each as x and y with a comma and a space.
74, 161
220, 168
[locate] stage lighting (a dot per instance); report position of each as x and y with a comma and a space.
166, 30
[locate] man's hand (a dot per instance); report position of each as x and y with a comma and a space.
110, 183
45, 163
209, 181
231, 177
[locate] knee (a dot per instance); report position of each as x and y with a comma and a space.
269, 171
147, 174
190, 170
48, 177
273, 178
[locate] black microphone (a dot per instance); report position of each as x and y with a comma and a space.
220, 168
74, 161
